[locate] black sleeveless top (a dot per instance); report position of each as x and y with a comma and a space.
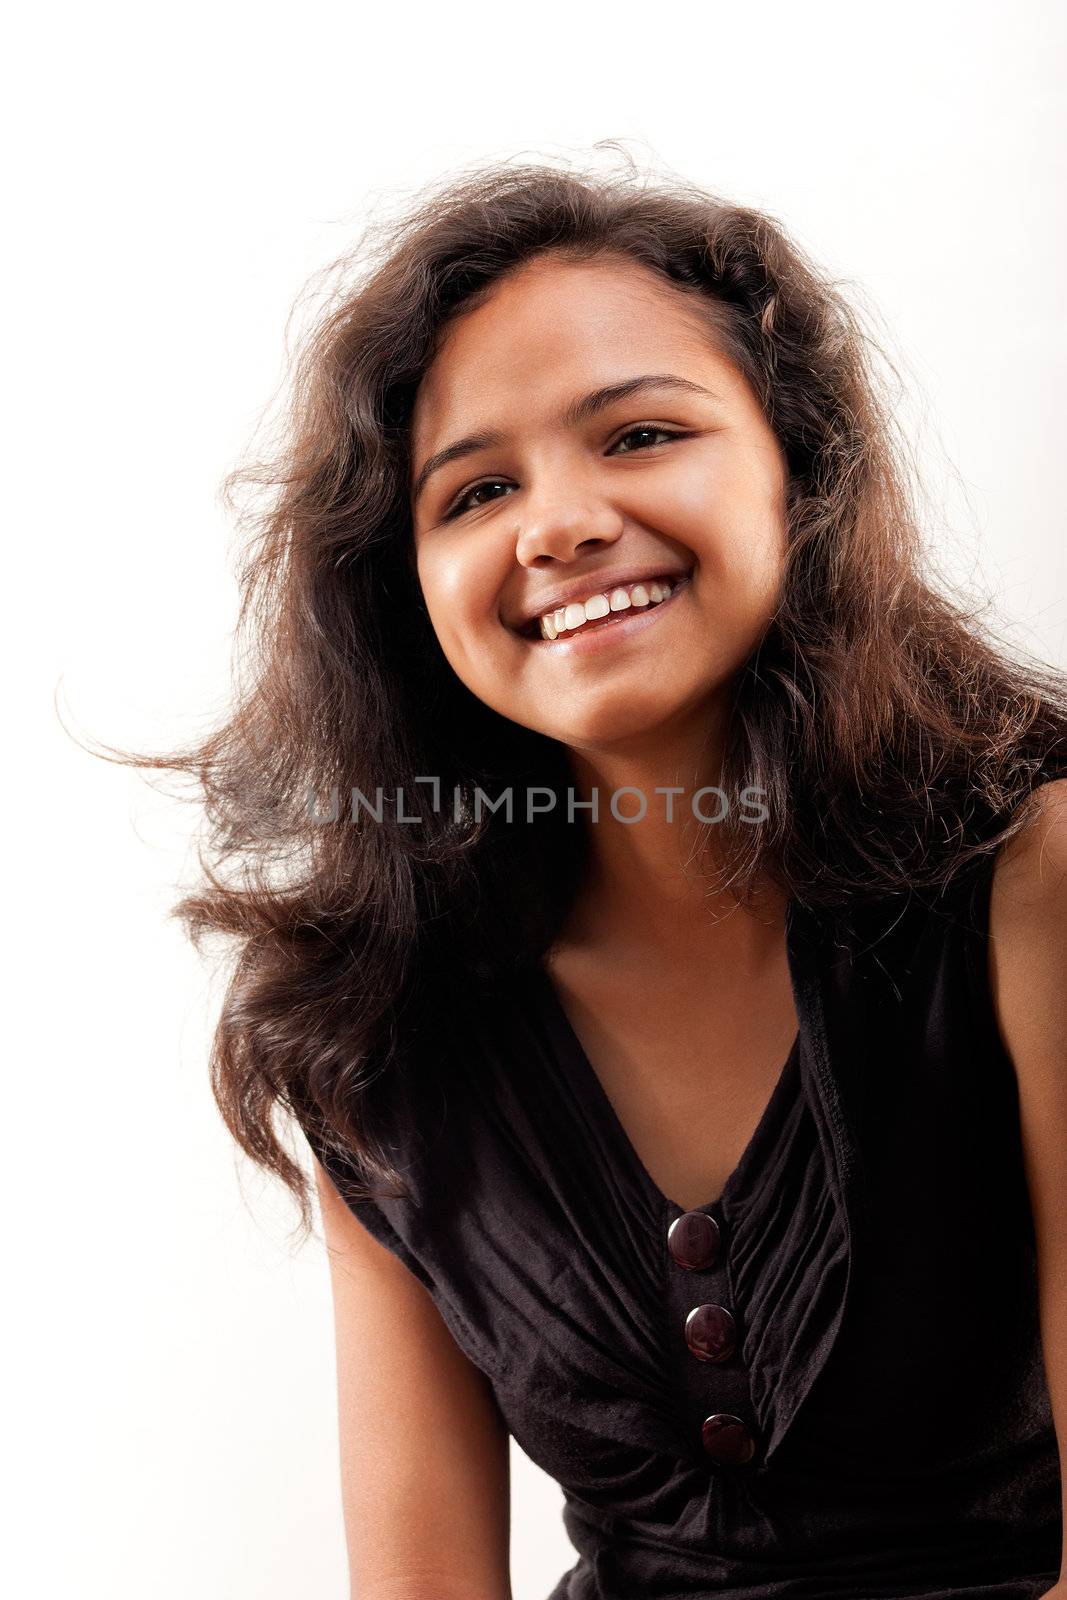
834, 1386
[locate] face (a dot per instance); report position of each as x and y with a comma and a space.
555, 503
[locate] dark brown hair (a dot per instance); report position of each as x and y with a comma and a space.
893, 740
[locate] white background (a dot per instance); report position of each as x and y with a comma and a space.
174, 178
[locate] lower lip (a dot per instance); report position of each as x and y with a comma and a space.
588, 639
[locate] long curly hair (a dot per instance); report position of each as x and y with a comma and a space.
893, 738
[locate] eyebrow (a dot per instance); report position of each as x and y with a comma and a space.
577, 412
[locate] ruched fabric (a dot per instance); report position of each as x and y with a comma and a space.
877, 1256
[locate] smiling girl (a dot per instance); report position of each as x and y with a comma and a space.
698, 1116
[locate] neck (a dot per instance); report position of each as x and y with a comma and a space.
649, 878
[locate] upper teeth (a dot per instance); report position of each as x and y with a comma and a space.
576, 615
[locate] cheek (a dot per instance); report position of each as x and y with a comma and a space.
737, 529
727, 496
462, 601
749, 577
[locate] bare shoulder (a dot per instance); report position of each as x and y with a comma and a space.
1031, 869
1028, 947
1028, 979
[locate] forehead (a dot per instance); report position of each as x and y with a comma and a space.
551, 326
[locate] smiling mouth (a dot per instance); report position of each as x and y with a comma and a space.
531, 630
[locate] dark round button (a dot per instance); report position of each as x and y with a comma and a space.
693, 1241
727, 1439
711, 1333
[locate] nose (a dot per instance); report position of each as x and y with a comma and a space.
559, 530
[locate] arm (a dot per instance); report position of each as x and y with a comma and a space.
1028, 978
424, 1450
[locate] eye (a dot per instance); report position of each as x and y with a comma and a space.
646, 427
458, 507
463, 503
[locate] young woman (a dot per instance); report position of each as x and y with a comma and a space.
651, 906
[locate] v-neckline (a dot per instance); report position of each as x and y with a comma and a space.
587, 1081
